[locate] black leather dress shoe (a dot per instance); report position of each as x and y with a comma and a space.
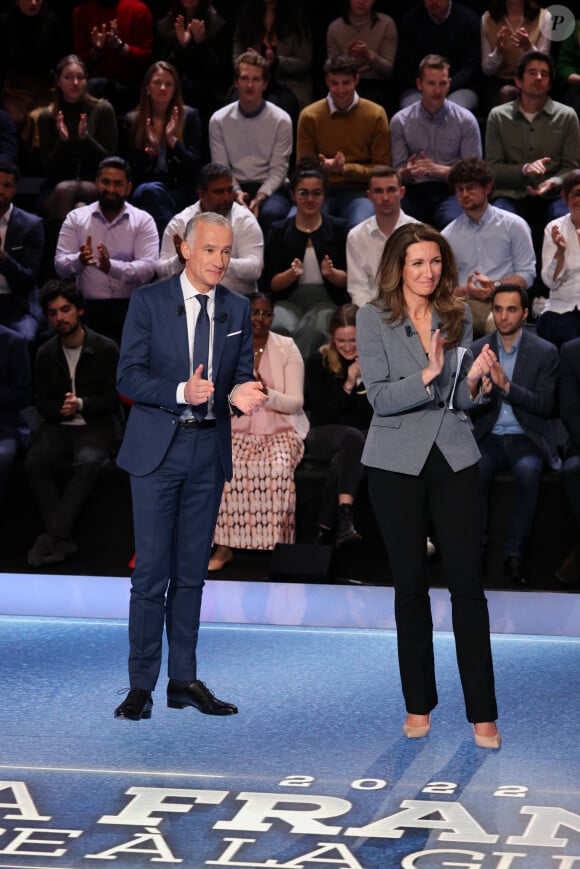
182, 694
513, 569
136, 705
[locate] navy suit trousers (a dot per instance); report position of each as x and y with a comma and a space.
175, 509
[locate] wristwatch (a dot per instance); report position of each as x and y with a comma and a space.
497, 285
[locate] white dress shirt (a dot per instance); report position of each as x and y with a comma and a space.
364, 247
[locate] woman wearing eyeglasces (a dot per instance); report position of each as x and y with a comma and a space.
305, 263
421, 460
258, 505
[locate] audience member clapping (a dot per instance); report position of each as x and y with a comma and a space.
114, 38
560, 317
258, 505
164, 145
74, 134
305, 262
340, 415
197, 41
509, 28
370, 37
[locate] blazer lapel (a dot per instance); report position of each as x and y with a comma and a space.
178, 320
521, 359
411, 341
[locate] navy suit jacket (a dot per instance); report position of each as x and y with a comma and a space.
24, 245
570, 391
532, 393
15, 381
155, 359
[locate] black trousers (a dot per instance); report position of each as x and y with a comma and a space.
343, 445
405, 507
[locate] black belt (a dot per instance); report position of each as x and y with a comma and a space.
190, 424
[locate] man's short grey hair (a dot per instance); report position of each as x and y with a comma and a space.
204, 217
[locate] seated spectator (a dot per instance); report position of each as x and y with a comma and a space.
370, 37
340, 415
258, 505
427, 139
114, 38
253, 137
15, 395
8, 138
568, 69
506, 35
278, 30
80, 429
365, 243
530, 144
349, 136
491, 246
513, 428
305, 261
109, 247
164, 145
197, 42
451, 30
560, 317
74, 134
21, 250
216, 193
31, 42
569, 403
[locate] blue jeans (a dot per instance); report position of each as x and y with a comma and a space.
559, 328
350, 204
526, 462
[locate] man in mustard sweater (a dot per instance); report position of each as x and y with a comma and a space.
350, 136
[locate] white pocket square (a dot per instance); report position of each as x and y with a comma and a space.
231, 334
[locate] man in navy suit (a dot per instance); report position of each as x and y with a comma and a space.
177, 449
514, 430
21, 248
15, 395
569, 395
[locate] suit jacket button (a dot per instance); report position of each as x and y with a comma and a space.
441, 404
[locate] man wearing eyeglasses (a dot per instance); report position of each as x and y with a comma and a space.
253, 137
365, 243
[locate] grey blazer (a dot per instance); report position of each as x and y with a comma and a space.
408, 417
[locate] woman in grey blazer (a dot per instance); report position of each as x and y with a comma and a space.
422, 465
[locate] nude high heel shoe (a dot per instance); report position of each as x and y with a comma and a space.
414, 731
487, 741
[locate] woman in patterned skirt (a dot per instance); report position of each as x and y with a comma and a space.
258, 505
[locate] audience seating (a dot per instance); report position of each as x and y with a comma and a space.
105, 535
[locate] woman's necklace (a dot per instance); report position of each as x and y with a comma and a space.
258, 351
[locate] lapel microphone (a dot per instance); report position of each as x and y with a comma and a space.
408, 331
180, 310
221, 318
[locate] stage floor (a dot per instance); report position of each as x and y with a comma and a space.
314, 772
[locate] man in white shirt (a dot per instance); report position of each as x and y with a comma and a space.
254, 138
366, 241
216, 193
